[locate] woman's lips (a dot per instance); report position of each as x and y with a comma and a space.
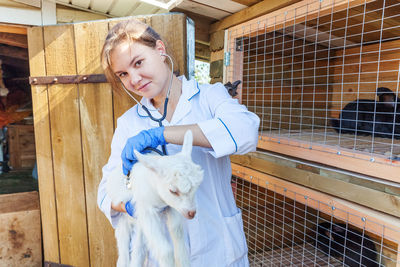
143, 86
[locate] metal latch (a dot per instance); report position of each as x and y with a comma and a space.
68, 79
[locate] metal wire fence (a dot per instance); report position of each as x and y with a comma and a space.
288, 228
325, 73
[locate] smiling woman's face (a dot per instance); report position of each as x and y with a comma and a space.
141, 68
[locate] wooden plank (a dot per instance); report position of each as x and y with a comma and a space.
19, 202
81, 3
66, 14
251, 12
247, 2
67, 147
226, 5
202, 52
387, 203
293, 14
122, 8
360, 65
7, 28
101, 6
15, 52
201, 23
21, 16
43, 142
375, 221
346, 159
204, 10
21, 239
34, 3
96, 116
18, 40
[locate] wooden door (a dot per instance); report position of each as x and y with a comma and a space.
74, 124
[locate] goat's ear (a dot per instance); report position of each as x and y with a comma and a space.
187, 143
146, 160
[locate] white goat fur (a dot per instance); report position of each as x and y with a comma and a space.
157, 182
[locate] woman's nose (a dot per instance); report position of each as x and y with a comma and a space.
134, 78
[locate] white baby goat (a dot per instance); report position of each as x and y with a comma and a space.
159, 183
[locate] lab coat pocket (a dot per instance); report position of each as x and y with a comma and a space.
234, 238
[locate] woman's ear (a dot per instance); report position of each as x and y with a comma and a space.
160, 47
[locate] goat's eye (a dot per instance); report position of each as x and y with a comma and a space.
174, 192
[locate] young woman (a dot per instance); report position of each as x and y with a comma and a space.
135, 56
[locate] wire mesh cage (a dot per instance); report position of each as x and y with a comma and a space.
285, 227
324, 73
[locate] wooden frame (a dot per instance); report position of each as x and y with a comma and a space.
372, 221
347, 159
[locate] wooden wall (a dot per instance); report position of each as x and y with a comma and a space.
74, 124
285, 81
359, 71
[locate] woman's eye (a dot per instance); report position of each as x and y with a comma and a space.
123, 74
138, 63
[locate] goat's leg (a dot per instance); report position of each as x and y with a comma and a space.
122, 235
175, 228
139, 251
156, 239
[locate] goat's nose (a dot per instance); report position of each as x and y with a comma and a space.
191, 214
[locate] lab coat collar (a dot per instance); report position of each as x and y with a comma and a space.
190, 89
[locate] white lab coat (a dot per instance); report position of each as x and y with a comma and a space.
215, 235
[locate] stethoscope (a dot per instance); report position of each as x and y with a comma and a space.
164, 149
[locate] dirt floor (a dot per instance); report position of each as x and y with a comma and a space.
16, 181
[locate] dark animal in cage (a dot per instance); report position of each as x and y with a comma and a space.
351, 246
369, 117
232, 88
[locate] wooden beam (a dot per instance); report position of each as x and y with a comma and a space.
34, 3
21, 64
24, 16
347, 159
49, 16
18, 40
202, 52
344, 209
201, 23
14, 52
388, 203
66, 14
247, 2
13, 29
256, 10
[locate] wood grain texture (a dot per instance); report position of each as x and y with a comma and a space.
20, 239
67, 147
96, 117
387, 203
44, 155
19, 202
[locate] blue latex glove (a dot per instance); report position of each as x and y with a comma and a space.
130, 208
147, 138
